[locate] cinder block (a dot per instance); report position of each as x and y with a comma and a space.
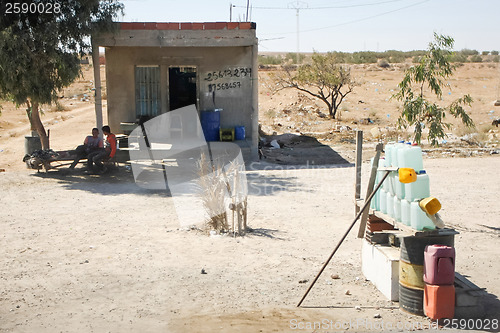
380, 265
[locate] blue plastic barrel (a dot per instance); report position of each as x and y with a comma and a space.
239, 133
210, 123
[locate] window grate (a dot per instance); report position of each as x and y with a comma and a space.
147, 91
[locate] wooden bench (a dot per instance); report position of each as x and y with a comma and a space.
63, 158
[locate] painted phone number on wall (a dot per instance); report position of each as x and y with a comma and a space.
223, 86
229, 73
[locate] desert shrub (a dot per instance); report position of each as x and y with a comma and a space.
458, 57
485, 53
476, 58
468, 52
496, 58
494, 52
365, 57
341, 57
58, 107
383, 63
394, 56
416, 53
270, 60
293, 57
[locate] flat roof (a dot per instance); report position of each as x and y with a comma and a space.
187, 25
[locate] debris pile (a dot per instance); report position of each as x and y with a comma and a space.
38, 158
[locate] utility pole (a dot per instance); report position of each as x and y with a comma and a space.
248, 5
298, 5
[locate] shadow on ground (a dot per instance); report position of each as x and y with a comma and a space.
116, 181
300, 150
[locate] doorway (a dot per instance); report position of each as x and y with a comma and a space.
182, 86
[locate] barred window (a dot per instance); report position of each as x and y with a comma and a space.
147, 91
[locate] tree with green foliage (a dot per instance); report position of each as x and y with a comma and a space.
429, 75
323, 78
40, 49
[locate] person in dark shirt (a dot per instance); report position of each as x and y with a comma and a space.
109, 151
90, 144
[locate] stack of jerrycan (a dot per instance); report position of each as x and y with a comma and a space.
401, 201
439, 278
375, 203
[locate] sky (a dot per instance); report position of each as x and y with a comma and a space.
339, 25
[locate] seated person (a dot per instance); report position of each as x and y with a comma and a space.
90, 144
107, 152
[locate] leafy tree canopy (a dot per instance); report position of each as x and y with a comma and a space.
323, 78
40, 50
429, 75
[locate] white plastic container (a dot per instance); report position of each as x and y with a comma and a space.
383, 201
419, 219
405, 212
395, 152
411, 157
375, 202
397, 209
388, 153
419, 189
399, 188
391, 182
390, 204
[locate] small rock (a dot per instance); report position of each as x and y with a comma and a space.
303, 281
357, 307
335, 276
347, 292
203, 271
377, 315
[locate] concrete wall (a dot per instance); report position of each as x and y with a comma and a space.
225, 75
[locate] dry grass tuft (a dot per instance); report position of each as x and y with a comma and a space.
213, 188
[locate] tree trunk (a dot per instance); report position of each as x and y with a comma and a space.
36, 124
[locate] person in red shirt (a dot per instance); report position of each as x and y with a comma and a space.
107, 152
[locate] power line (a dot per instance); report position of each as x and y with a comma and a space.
328, 7
353, 21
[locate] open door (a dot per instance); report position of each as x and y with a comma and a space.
182, 86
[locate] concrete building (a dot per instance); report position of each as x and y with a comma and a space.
153, 68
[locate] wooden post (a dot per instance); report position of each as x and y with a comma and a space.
97, 86
245, 205
369, 190
358, 162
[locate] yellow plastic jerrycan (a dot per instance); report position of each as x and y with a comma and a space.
407, 175
430, 205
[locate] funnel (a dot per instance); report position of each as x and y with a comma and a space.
407, 175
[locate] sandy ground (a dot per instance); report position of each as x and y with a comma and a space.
99, 254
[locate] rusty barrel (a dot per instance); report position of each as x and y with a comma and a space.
411, 270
